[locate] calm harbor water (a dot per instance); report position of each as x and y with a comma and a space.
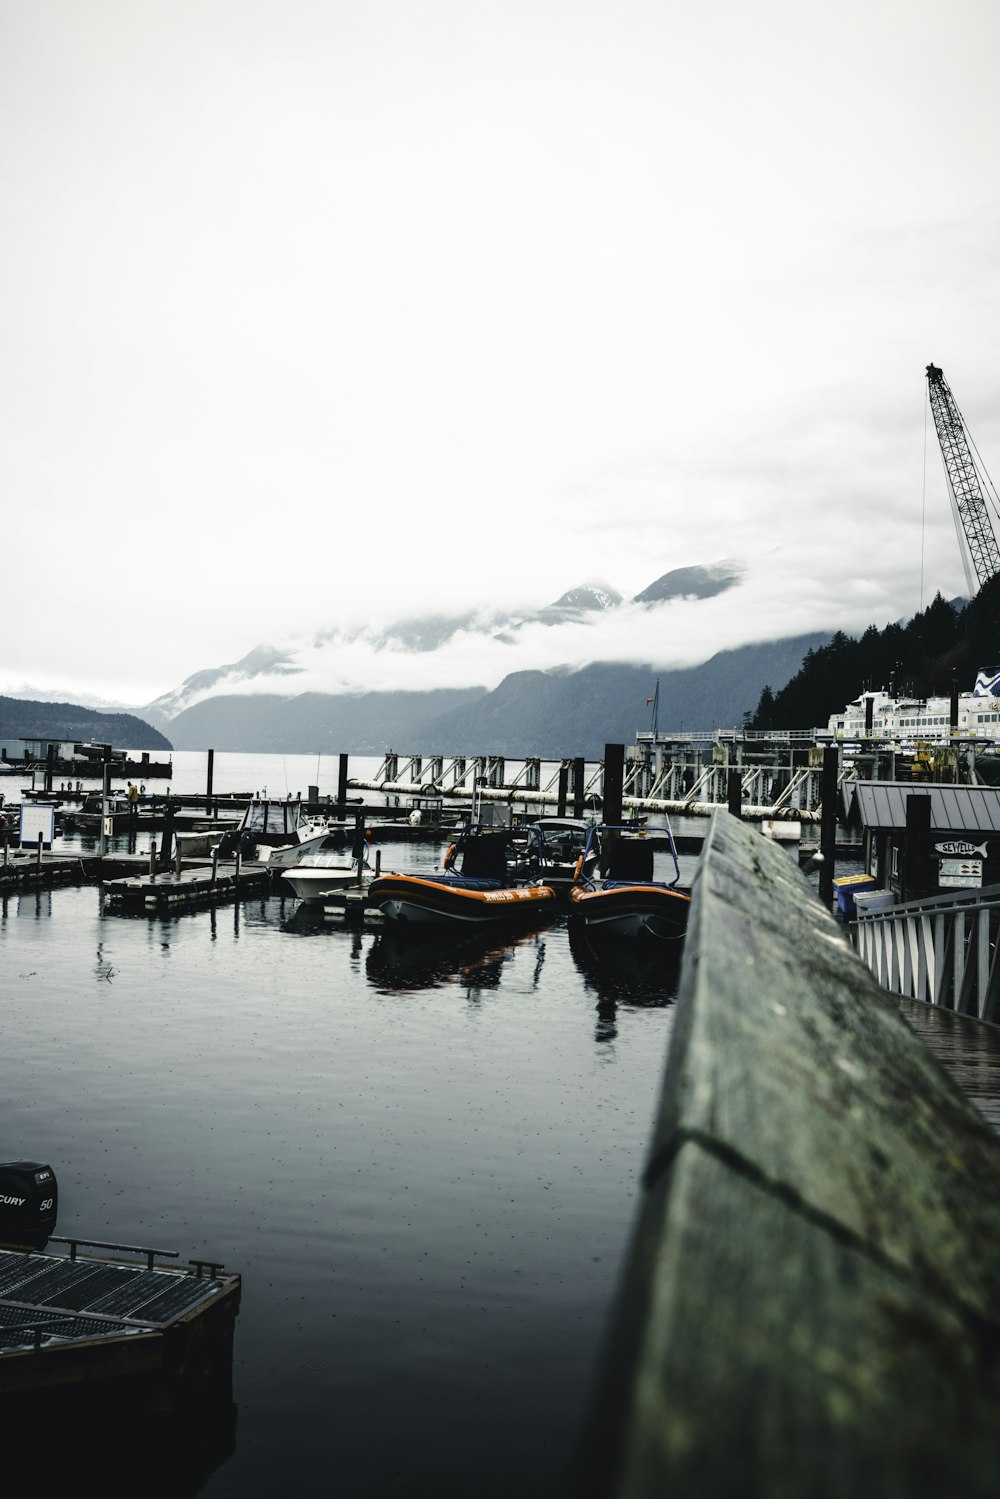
424, 1160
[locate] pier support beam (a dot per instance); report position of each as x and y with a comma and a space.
614, 775
828, 825
579, 775
917, 855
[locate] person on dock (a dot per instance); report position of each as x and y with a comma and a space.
133, 799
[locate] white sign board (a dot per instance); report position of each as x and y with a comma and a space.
37, 818
959, 873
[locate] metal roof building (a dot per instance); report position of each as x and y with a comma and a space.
881, 806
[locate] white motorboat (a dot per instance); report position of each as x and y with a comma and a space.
325, 870
334, 860
312, 839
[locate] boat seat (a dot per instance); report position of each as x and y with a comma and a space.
485, 857
630, 860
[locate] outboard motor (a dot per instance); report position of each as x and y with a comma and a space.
29, 1200
238, 841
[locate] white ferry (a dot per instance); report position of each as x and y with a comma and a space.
908, 719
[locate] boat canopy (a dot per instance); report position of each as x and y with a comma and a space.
273, 817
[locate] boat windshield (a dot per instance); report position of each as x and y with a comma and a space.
273, 817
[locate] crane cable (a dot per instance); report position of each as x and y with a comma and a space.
923, 507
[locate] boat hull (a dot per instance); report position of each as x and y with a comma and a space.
407, 900
632, 911
310, 882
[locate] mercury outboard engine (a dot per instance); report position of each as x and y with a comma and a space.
29, 1198
238, 841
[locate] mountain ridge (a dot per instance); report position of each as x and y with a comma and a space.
554, 713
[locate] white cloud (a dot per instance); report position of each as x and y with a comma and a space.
319, 314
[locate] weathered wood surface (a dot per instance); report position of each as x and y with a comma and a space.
193, 885
967, 1050
812, 1301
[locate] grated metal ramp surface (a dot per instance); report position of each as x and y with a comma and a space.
18, 1324
45, 1286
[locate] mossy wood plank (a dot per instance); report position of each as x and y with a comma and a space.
788, 1057
760, 1355
812, 1301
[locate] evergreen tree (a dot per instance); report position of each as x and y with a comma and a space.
764, 716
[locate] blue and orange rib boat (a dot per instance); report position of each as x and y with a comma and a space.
496, 883
628, 901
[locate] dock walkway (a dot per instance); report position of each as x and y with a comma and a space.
968, 1050
198, 884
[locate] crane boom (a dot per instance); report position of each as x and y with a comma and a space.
972, 518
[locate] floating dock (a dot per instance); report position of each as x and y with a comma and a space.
75, 1320
202, 884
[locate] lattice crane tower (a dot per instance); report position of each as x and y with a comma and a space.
976, 536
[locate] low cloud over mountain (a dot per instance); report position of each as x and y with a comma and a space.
478, 648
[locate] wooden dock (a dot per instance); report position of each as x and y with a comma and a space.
194, 885
968, 1050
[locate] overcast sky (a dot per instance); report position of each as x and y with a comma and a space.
315, 313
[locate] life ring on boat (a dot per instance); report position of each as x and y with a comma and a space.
578, 869
449, 856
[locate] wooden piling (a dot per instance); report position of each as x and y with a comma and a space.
579, 781
614, 777
828, 825
562, 790
341, 784
105, 794
917, 879
734, 792
208, 780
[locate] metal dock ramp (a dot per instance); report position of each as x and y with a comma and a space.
68, 1318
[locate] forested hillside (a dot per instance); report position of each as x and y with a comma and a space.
941, 643
23, 719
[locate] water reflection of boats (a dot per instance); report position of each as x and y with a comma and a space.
476, 960
644, 974
628, 901
104, 1443
307, 917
